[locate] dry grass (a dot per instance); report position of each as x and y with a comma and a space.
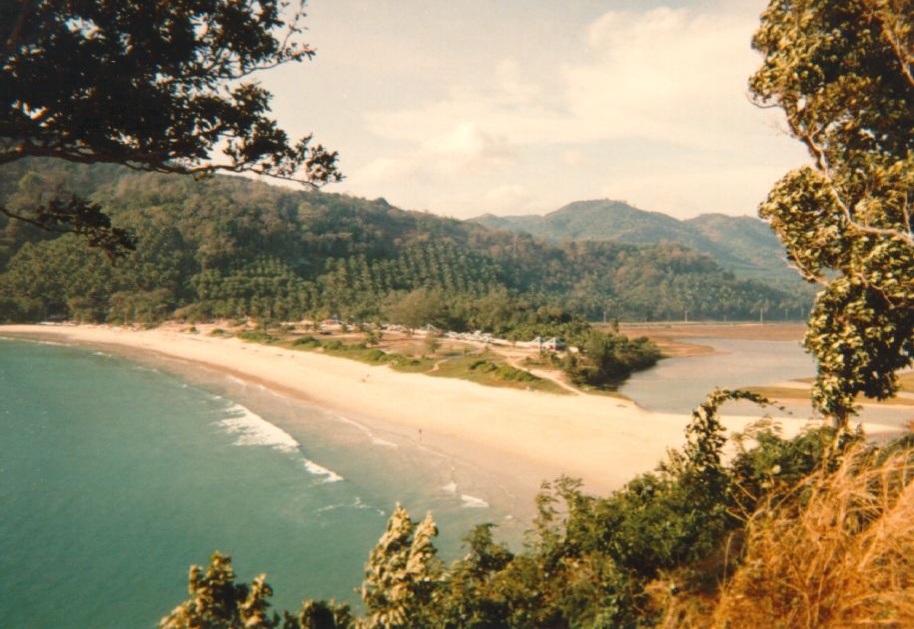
838, 552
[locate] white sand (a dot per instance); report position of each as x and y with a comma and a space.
531, 436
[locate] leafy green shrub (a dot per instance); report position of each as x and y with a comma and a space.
503, 372
607, 359
376, 356
306, 342
335, 345
405, 363
773, 465
256, 336
483, 366
513, 374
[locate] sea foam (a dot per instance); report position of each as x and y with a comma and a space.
472, 502
318, 470
254, 430
467, 501
35, 341
374, 439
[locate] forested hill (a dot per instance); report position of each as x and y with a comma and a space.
231, 247
741, 244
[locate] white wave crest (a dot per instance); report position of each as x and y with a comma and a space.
360, 504
254, 430
318, 470
375, 440
450, 488
472, 502
34, 341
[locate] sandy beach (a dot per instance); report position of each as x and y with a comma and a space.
527, 436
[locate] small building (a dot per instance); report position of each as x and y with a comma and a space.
553, 345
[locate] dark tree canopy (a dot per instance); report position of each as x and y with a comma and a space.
157, 86
843, 73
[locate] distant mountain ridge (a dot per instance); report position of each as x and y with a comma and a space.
744, 245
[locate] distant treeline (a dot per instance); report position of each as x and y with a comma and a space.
232, 248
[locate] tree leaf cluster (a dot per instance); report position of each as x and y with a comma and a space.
842, 74
155, 86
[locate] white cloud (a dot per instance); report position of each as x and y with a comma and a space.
573, 158
470, 147
667, 75
512, 90
650, 106
508, 199
461, 154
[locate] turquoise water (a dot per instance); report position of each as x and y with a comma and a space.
115, 477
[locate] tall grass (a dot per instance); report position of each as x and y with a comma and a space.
838, 551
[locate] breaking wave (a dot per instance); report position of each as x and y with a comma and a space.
329, 475
472, 502
254, 430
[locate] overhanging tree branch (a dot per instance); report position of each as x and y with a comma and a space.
80, 217
153, 86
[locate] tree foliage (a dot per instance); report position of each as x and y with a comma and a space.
232, 248
217, 602
155, 86
842, 74
607, 359
402, 574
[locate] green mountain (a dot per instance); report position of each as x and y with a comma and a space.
741, 244
231, 247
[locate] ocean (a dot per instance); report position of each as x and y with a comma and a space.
117, 475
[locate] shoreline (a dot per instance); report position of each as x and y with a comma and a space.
677, 339
521, 436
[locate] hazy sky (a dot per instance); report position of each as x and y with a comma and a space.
463, 107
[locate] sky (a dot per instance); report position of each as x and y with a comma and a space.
510, 107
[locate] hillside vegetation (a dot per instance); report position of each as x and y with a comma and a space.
742, 245
230, 247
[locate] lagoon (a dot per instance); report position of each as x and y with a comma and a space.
679, 384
